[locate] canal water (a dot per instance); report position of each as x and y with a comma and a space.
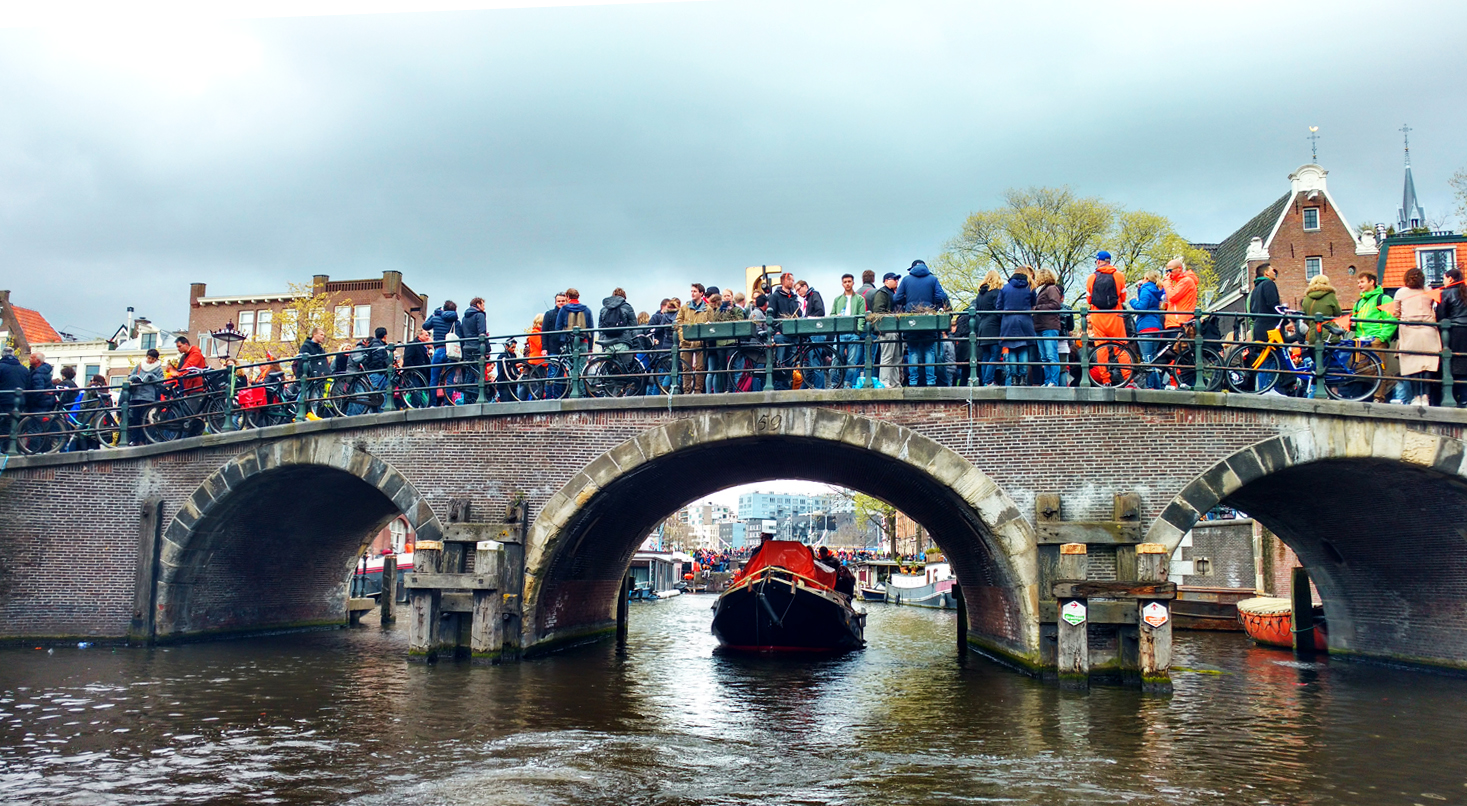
340, 717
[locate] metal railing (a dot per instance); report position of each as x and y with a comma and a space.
918, 349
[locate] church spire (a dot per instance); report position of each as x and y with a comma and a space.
1411, 215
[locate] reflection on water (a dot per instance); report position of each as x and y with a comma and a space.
341, 717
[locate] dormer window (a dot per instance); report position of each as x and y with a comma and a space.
1311, 219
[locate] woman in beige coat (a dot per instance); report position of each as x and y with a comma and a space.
1420, 344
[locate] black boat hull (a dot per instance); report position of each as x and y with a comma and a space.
774, 614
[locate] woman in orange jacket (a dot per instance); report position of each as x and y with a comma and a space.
533, 349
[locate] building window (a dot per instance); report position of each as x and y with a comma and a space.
361, 321
1435, 263
150, 341
262, 325
287, 324
341, 326
1311, 219
1313, 267
408, 334
398, 528
93, 369
247, 323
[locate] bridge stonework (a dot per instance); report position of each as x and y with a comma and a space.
260, 529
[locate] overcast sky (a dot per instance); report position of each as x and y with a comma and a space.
510, 152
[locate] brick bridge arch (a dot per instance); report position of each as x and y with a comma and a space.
1378, 515
582, 540
266, 540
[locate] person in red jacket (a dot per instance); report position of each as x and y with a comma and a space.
1105, 290
189, 357
1181, 293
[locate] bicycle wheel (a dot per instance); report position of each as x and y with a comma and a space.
529, 381
1181, 371
816, 360
1112, 363
105, 429
361, 396
557, 380
453, 382
320, 402
1352, 375
217, 419
40, 433
412, 389
610, 376
164, 422
1244, 372
660, 366
746, 369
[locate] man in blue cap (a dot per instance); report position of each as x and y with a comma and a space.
1105, 290
920, 289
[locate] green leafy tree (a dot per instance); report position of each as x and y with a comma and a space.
1459, 187
878, 513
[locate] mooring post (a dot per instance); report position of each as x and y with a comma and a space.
1155, 623
388, 601
622, 606
1074, 619
426, 604
512, 579
1302, 602
486, 636
962, 603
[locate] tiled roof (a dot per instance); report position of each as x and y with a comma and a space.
35, 327
1230, 255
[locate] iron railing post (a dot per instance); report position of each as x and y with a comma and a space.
14, 415
483, 365
300, 391
675, 354
769, 356
1197, 359
1449, 399
1085, 347
974, 374
389, 390
229, 400
575, 367
867, 330
1319, 392
124, 413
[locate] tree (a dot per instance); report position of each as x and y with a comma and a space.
1459, 185
877, 513
306, 312
1055, 229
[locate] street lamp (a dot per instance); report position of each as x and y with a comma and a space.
229, 336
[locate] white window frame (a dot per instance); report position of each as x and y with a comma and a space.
288, 324
1318, 264
361, 321
1438, 278
399, 530
247, 324
1308, 228
407, 328
263, 320
341, 322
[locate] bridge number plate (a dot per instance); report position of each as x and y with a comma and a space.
1073, 613
1154, 614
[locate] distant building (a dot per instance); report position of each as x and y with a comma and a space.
772, 506
1433, 253
112, 357
360, 307
1303, 233
22, 327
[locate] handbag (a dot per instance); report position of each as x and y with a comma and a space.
453, 347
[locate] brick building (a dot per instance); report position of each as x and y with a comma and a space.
1303, 233
1433, 253
22, 327
361, 306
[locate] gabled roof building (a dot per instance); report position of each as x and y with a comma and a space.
1302, 233
22, 327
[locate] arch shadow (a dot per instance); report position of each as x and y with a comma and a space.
267, 541
583, 539
1378, 515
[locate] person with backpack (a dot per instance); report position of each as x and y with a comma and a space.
575, 315
921, 290
616, 313
1376, 329
1105, 290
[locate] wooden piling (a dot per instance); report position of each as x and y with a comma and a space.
388, 600
1154, 621
962, 603
622, 607
1074, 623
1302, 604
486, 636
426, 604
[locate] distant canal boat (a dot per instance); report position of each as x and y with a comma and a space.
1200, 608
367, 579
930, 585
784, 600
872, 577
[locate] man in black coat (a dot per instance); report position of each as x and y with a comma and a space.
13, 375
415, 353
1263, 302
550, 341
41, 377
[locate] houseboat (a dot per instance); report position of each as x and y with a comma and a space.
784, 600
929, 585
872, 577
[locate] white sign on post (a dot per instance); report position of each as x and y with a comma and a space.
1073, 613
1154, 614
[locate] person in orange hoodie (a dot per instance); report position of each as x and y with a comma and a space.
189, 357
1105, 290
1181, 293
533, 350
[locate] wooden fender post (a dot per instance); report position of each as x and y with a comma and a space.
426, 604
388, 600
1302, 606
1155, 622
1074, 622
486, 637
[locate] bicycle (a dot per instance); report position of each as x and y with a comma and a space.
746, 364
1112, 363
627, 372
1349, 374
1177, 362
68, 429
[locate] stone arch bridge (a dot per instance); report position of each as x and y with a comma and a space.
257, 530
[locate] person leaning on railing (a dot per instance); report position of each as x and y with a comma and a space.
1319, 302
1376, 329
1421, 342
1453, 309
144, 382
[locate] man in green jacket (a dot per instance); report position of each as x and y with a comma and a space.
1376, 329
852, 353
